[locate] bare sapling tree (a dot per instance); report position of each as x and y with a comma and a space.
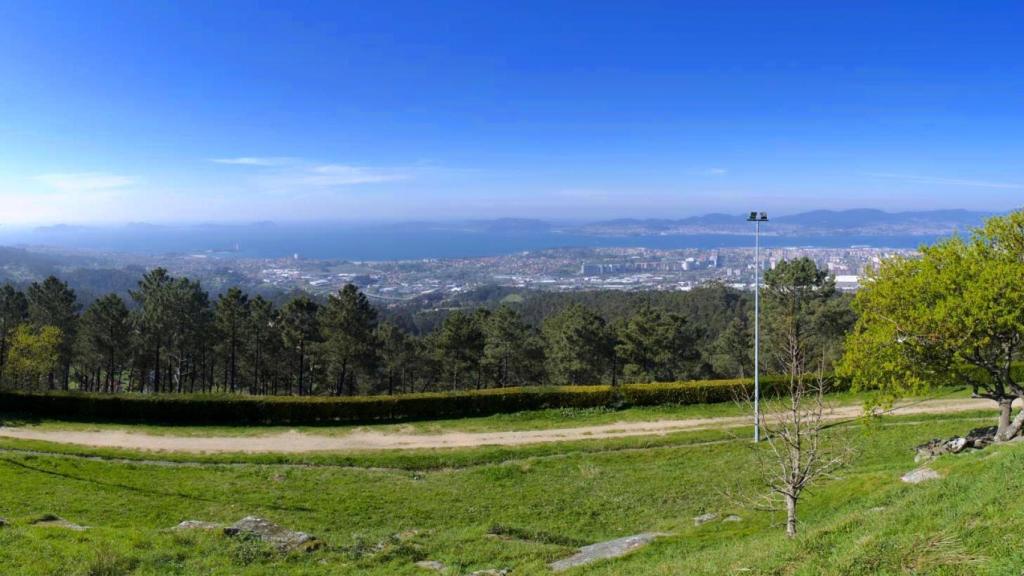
801, 445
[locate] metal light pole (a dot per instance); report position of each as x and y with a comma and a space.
757, 218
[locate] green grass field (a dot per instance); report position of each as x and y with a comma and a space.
378, 513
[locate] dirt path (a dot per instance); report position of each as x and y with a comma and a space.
368, 439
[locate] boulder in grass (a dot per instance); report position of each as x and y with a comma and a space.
431, 565
278, 536
919, 475
605, 550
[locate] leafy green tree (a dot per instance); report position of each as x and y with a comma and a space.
231, 319
34, 354
578, 346
347, 324
13, 313
300, 329
954, 316
52, 303
105, 339
657, 346
460, 347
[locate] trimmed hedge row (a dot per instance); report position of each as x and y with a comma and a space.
207, 409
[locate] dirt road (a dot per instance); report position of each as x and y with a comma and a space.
369, 439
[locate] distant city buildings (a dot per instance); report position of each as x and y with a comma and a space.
569, 269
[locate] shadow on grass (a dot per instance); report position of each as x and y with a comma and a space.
144, 491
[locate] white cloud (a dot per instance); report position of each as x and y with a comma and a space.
948, 181
256, 161
84, 181
284, 173
343, 175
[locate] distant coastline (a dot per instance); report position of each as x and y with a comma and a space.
324, 242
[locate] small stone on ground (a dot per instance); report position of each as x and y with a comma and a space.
491, 572
198, 525
705, 518
605, 550
920, 475
732, 518
431, 565
280, 537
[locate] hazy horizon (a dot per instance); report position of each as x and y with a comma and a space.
555, 221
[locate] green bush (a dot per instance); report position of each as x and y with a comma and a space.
200, 409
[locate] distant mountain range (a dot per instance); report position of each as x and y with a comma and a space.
824, 222
860, 222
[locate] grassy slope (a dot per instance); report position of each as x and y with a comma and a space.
967, 523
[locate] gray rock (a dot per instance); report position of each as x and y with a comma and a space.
198, 525
705, 518
919, 475
492, 572
605, 550
431, 565
956, 445
976, 439
930, 450
732, 518
54, 521
278, 536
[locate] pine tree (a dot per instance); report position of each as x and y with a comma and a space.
578, 346
513, 354
347, 323
657, 346
397, 356
153, 318
300, 331
232, 318
105, 340
460, 347
730, 354
263, 344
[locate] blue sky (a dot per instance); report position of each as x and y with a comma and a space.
239, 111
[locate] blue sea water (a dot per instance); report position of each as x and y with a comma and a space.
390, 242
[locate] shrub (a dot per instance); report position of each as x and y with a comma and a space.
206, 409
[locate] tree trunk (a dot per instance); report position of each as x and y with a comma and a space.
790, 516
1008, 429
302, 361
